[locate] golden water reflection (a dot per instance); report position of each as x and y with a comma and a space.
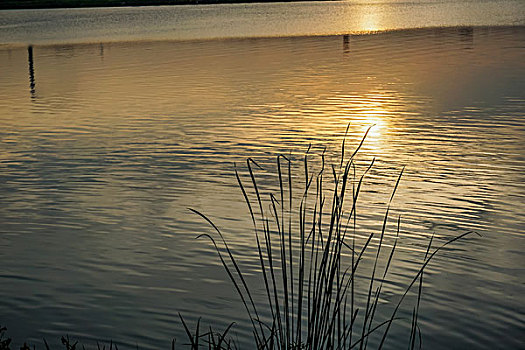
104, 146
370, 20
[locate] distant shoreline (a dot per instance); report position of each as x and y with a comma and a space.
48, 4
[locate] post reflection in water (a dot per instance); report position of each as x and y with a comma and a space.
467, 37
31, 71
346, 43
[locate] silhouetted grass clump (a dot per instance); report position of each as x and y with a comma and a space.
67, 343
4, 343
309, 260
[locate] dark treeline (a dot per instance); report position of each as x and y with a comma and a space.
33, 4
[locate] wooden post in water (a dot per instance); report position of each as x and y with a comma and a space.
31, 71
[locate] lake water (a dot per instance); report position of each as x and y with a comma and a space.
114, 121
250, 20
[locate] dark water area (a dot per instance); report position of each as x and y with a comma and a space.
104, 147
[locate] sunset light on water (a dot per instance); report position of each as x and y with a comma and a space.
115, 120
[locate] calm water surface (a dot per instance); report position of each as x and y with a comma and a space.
250, 20
104, 146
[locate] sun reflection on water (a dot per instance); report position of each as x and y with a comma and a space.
373, 110
370, 21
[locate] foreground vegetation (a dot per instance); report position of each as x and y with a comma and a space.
35, 4
310, 260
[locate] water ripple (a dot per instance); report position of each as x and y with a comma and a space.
104, 146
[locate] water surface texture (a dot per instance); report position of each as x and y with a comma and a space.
104, 146
250, 20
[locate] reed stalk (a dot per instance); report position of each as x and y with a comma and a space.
309, 260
